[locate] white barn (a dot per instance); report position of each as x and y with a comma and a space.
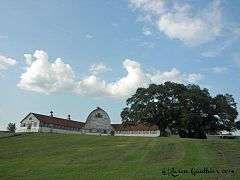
34, 122
98, 122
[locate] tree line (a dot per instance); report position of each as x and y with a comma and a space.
187, 110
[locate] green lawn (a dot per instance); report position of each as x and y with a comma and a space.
58, 156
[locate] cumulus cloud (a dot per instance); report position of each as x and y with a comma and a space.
123, 87
182, 21
44, 76
135, 77
175, 75
6, 62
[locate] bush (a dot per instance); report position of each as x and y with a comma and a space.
192, 134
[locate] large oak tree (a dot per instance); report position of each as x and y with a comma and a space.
190, 110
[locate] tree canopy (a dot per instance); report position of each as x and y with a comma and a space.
187, 109
237, 125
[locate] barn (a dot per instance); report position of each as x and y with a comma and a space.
97, 122
34, 122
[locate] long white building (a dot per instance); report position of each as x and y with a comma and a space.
34, 122
98, 122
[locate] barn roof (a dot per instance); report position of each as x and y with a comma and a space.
97, 109
135, 127
58, 121
116, 126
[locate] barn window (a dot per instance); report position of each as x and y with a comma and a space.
98, 115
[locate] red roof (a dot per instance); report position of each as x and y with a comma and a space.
58, 121
116, 126
135, 127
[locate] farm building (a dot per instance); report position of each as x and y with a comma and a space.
98, 122
138, 129
34, 122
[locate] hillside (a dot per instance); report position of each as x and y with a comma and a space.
58, 156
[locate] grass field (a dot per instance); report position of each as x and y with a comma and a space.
58, 156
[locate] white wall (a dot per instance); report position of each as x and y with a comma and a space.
138, 133
31, 121
63, 131
34, 123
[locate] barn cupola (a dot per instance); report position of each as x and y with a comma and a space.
51, 113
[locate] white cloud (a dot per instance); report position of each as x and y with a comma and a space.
123, 87
182, 21
99, 68
128, 84
45, 77
219, 70
194, 77
91, 85
175, 75
6, 62
153, 7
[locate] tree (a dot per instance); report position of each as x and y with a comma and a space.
195, 112
226, 111
11, 127
203, 113
157, 104
190, 110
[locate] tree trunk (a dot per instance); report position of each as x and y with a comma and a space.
163, 132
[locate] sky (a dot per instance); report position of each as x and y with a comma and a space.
72, 56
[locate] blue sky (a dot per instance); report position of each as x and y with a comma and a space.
108, 49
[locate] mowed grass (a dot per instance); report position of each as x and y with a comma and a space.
59, 156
